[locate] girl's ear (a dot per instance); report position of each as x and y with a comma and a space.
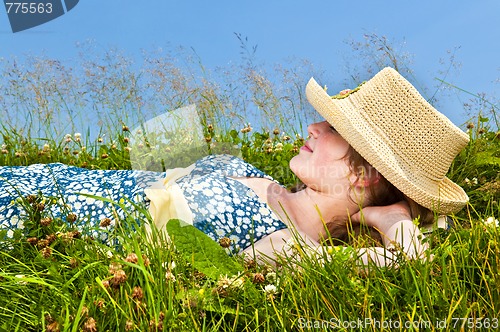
368, 178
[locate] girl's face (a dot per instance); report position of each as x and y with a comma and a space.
321, 163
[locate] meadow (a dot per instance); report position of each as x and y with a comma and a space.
55, 278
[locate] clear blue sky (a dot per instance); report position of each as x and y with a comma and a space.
315, 30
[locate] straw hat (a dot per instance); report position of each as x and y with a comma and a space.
399, 133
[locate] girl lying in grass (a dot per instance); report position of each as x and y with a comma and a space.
379, 160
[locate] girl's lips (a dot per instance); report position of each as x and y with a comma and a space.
306, 148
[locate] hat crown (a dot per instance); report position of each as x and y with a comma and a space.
416, 132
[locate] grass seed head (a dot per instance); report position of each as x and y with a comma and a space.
105, 222
46, 252
225, 242
90, 325
46, 221
132, 258
137, 293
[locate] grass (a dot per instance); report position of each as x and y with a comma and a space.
53, 277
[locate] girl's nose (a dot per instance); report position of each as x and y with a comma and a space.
314, 129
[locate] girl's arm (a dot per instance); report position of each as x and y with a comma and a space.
394, 223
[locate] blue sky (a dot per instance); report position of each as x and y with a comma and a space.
314, 30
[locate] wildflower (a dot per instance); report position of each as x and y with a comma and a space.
32, 240
271, 277
127, 148
276, 131
286, 138
40, 207
105, 283
223, 282
169, 266
113, 267
46, 221
208, 139
71, 218
53, 327
246, 129
113, 146
129, 325
225, 242
105, 222
46, 148
46, 252
104, 156
467, 181
146, 260
126, 139
470, 125
42, 244
279, 147
90, 325
270, 289
119, 278
258, 278
237, 282
50, 238
73, 262
99, 303
67, 138
100, 140
210, 128
169, 276
491, 222
125, 128
137, 293
132, 258
5, 151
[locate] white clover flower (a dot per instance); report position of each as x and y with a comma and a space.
491, 221
279, 147
169, 276
270, 289
236, 282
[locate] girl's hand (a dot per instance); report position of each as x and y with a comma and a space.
383, 217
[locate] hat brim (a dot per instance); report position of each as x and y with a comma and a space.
440, 195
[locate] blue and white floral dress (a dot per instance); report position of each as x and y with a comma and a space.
220, 205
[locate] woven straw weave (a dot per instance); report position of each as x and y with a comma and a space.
400, 134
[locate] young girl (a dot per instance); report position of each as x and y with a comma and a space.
379, 159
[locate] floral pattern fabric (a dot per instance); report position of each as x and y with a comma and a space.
224, 207
90, 195
221, 206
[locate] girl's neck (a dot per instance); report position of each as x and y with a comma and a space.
309, 210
